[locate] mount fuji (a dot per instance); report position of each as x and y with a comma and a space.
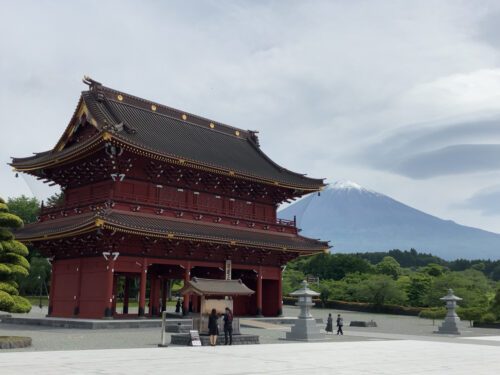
355, 219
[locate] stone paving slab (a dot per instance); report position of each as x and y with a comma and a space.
371, 357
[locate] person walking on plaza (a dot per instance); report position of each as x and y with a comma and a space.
228, 326
178, 306
213, 327
340, 323
329, 324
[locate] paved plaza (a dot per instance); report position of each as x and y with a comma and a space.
399, 345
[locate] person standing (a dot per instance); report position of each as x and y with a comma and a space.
329, 324
178, 306
228, 326
213, 327
340, 323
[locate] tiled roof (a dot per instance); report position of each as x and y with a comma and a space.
154, 225
173, 133
212, 287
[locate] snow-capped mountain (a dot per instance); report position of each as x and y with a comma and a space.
355, 219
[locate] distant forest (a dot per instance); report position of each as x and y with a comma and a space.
401, 278
413, 259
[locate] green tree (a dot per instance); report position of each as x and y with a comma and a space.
13, 264
26, 208
495, 304
471, 285
55, 199
291, 280
432, 269
418, 288
380, 290
388, 266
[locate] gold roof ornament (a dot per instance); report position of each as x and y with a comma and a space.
153, 107
120, 98
184, 117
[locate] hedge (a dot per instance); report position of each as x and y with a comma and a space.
361, 306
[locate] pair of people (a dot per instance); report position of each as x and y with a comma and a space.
213, 326
329, 324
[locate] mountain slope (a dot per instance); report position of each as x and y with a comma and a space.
356, 219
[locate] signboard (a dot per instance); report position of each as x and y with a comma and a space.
228, 269
312, 279
195, 337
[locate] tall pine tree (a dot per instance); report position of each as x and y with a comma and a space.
13, 264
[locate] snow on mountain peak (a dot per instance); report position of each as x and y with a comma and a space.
346, 185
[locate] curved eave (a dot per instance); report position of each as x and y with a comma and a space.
92, 222
179, 160
91, 145
66, 156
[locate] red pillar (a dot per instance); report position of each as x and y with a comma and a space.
76, 311
52, 287
280, 294
164, 286
187, 277
115, 293
126, 294
142, 290
108, 311
259, 292
154, 295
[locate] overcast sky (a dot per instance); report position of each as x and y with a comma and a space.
402, 97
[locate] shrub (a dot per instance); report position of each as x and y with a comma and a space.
13, 264
488, 318
470, 313
8, 288
21, 305
6, 301
433, 314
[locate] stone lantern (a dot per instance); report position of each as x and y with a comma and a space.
305, 328
450, 324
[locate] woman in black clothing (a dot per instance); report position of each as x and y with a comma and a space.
213, 327
228, 326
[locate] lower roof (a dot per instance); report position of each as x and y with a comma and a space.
160, 226
214, 287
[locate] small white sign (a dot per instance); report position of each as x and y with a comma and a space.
195, 338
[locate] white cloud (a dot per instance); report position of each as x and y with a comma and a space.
320, 80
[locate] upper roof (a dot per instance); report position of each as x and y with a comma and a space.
169, 132
214, 287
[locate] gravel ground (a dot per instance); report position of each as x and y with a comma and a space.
389, 327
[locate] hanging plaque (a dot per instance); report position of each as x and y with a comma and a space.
228, 269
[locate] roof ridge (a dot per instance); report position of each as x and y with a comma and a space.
186, 121
180, 112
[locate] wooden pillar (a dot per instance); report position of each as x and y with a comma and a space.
52, 287
108, 311
76, 311
259, 292
154, 295
164, 287
126, 294
187, 277
142, 288
280, 293
115, 293
170, 283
